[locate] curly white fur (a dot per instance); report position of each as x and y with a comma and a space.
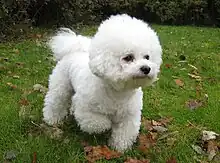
98, 84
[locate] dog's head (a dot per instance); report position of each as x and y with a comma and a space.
125, 51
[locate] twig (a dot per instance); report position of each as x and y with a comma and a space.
34, 158
35, 124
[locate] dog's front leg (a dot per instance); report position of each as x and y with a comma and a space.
58, 97
125, 133
92, 122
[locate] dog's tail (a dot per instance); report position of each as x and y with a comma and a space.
66, 42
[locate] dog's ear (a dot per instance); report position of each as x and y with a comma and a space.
96, 65
105, 65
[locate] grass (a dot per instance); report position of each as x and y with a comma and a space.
30, 60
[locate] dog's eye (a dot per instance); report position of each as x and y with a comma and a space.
129, 58
147, 57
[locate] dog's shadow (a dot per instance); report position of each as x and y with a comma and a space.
72, 129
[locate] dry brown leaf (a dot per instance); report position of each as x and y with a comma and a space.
168, 65
193, 104
212, 149
150, 125
134, 160
171, 160
146, 141
179, 82
94, 153
164, 121
155, 123
24, 102
153, 135
12, 86
147, 124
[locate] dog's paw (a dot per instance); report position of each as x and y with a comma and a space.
120, 145
52, 121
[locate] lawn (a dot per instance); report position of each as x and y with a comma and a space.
186, 50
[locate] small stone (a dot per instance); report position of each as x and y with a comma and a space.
10, 155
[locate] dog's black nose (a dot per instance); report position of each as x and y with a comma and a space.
145, 69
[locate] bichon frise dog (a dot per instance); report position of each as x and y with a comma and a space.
99, 79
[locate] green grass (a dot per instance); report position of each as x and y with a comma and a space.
200, 46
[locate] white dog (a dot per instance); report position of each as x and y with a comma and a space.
99, 79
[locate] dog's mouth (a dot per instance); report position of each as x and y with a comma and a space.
142, 77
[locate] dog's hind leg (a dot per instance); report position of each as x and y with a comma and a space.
58, 98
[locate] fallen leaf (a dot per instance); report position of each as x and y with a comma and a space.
12, 86
164, 121
197, 149
159, 129
146, 141
147, 124
153, 135
212, 149
209, 135
168, 65
134, 160
10, 155
193, 104
24, 102
155, 123
94, 153
179, 82
171, 160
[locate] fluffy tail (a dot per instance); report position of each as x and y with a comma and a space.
67, 42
